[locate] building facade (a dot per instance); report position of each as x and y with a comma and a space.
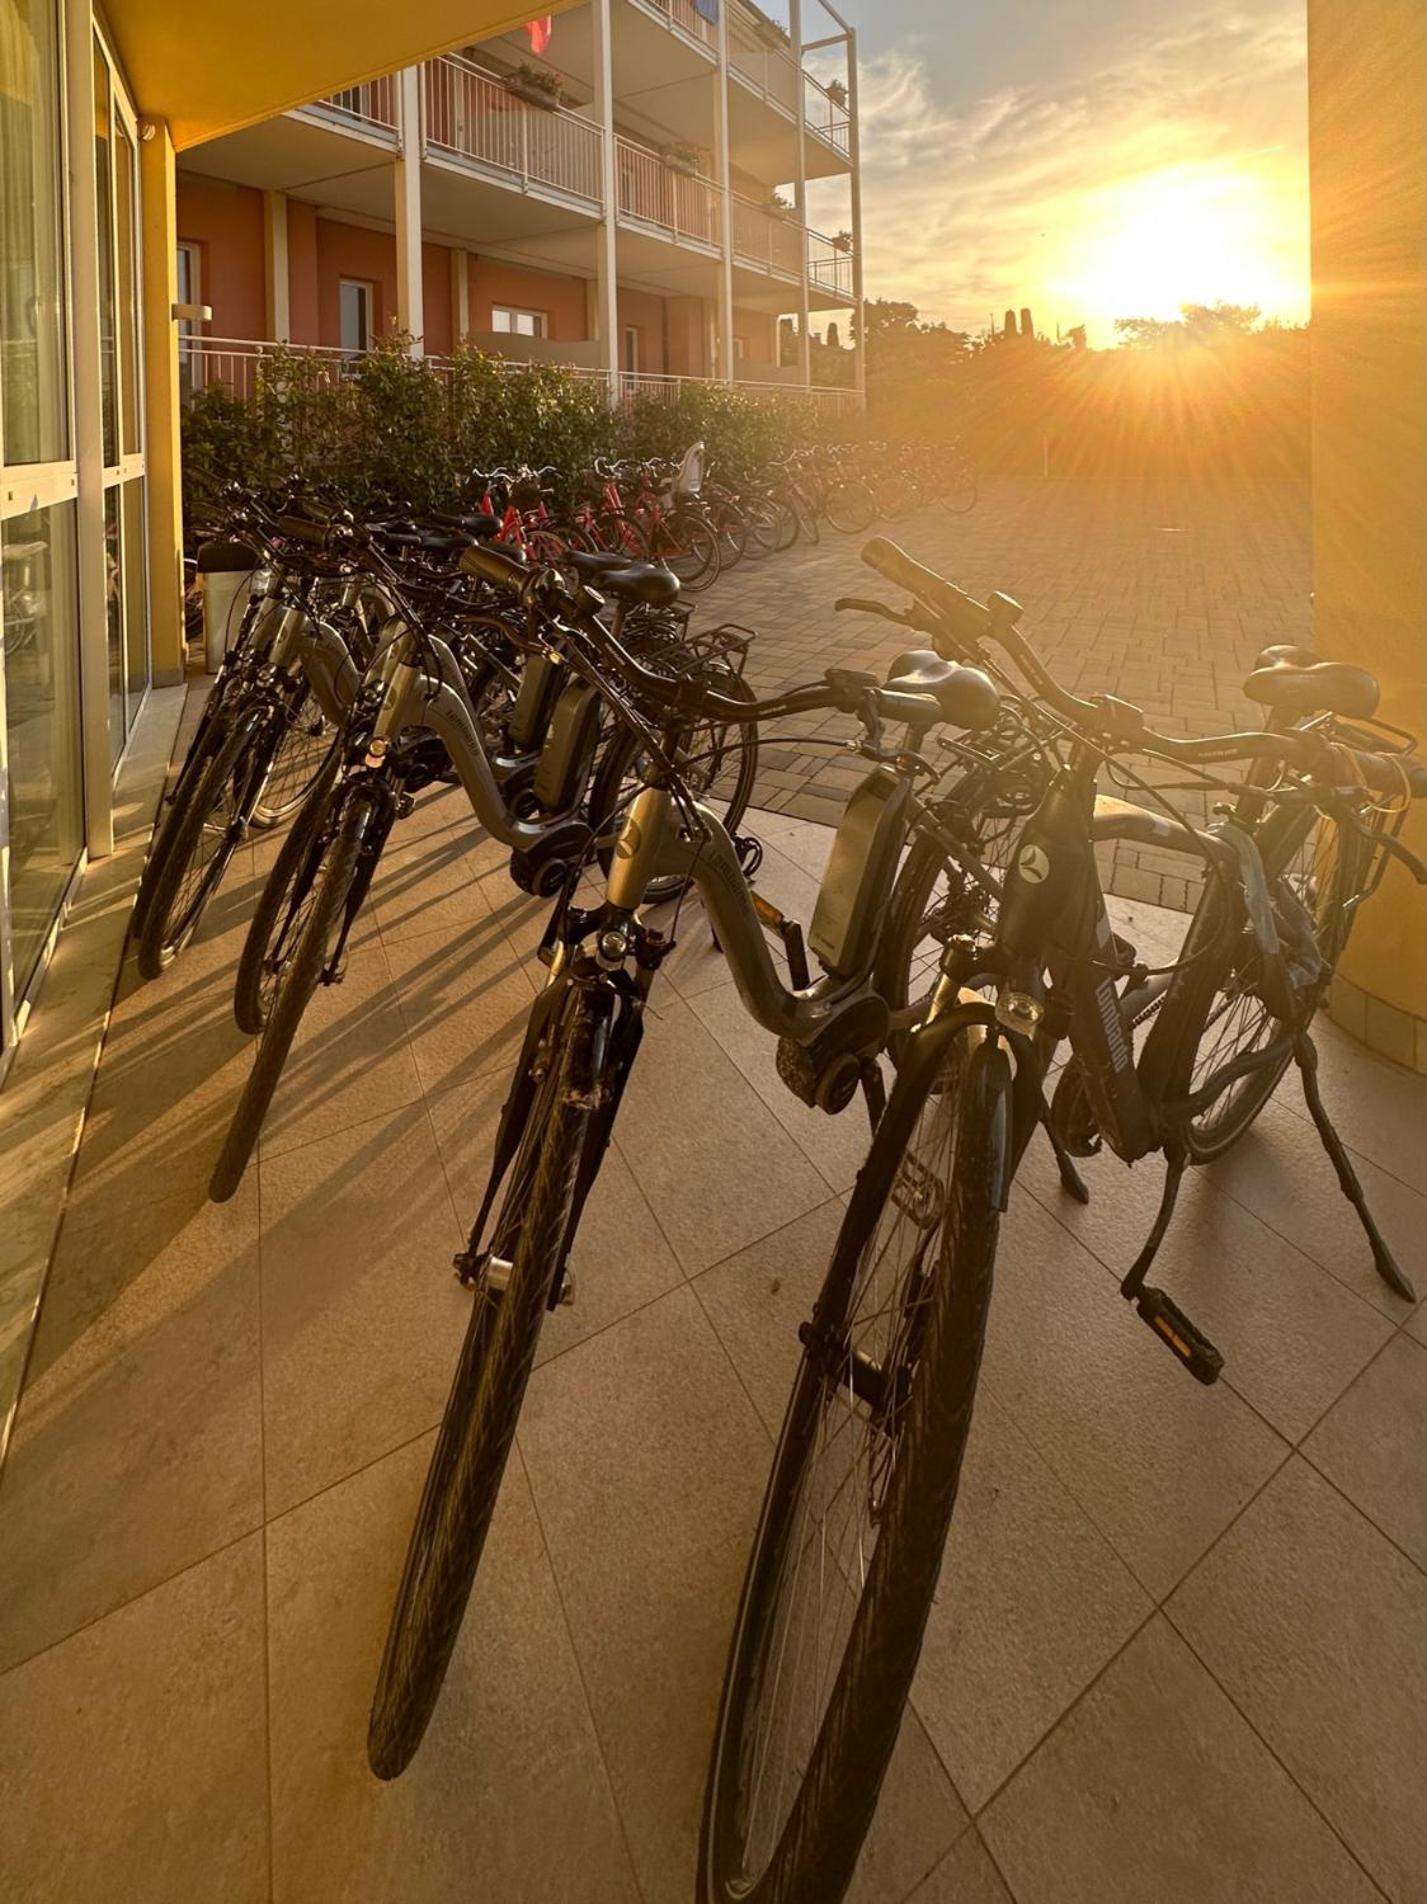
634, 202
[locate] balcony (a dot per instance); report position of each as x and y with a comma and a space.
830, 266
766, 239
471, 117
370, 108
680, 205
685, 18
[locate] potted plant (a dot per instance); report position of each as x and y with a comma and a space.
836, 92
682, 157
777, 206
841, 241
769, 31
536, 85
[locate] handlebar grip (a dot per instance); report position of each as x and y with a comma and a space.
299, 529
942, 597
1390, 775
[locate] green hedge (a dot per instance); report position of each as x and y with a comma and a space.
400, 431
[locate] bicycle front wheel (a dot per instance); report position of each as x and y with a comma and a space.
478, 1427
849, 1544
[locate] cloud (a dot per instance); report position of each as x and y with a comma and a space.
968, 210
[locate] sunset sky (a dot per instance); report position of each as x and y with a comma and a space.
1091, 158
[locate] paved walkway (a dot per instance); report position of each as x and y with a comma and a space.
1176, 1654
1164, 599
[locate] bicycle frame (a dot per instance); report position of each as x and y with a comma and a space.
1053, 917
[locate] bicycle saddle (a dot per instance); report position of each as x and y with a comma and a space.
479, 525
642, 582
967, 697
1286, 676
602, 562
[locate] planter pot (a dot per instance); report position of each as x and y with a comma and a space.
532, 95
771, 37
686, 168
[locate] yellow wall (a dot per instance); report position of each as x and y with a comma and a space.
1367, 104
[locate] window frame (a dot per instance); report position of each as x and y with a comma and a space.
368, 296
540, 320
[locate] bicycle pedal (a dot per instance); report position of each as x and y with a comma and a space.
1189, 1344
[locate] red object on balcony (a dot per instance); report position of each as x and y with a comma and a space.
539, 31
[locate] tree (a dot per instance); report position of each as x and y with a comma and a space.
1196, 324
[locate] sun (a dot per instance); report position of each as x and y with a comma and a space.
1144, 246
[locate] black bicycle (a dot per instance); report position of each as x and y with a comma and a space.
864, 1481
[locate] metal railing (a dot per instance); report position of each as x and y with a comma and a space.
372, 104
684, 204
473, 116
823, 115
765, 238
235, 364
762, 59
686, 16
829, 265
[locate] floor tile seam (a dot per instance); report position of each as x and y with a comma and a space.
1274, 1754
131, 1600
1302, 1113
1362, 1512
268, 1787
967, 1826
585, 1689
344, 1130
1117, 1276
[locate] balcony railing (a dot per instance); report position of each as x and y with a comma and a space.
686, 16
763, 61
235, 363
823, 115
473, 116
685, 205
372, 105
764, 238
829, 265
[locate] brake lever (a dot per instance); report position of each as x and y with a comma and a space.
859, 605
1392, 845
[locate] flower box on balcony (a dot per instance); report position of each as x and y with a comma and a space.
771, 34
683, 158
841, 241
778, 207
535, 87
836, 92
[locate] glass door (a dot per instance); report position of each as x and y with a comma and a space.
41, 773
116, 178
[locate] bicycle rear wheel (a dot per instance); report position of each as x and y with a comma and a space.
1211, 1014
301, 750
285, 903
864, 1480
531, 1237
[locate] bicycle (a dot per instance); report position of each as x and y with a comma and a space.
580, 1045
867, 1465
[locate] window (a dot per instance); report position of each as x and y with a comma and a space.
190, 291
358, 300
505, 317
33, 385
740, 350
631, 348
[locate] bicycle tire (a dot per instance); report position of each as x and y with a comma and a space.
622, 535
813, 1852
251, 1008
164, 935
292, 1001
688, 545
1208, 1015
296, 763
478, 1426
850, 507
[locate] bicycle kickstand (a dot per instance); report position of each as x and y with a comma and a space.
1071, 1180
1305, 1054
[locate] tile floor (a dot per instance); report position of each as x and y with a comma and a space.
1176, 1652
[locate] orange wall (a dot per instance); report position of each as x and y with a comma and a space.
303, 301
646, 313
226, 223
759, 331
350, 251
688, 337
436, 300
561, 298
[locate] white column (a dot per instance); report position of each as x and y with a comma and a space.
88, 431
460, 294
607, 238
854, 147
410, 314
800, 191
279, 286
725, 280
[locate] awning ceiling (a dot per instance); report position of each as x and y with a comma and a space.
222, 64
